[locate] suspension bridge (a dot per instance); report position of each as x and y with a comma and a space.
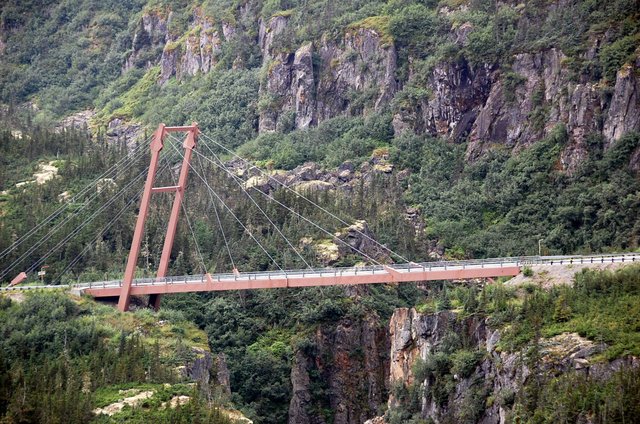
403, 270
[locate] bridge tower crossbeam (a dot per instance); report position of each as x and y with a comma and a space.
156, 146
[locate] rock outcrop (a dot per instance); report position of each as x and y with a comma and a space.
194, 52
516, 105
119, 129
496, 375
353, 75
310, 177
624, 110
180, 55
358, 238
343, 372
458, 92
149, 38
77, 121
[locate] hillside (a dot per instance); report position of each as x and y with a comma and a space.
448, 129
66, 359
289, 87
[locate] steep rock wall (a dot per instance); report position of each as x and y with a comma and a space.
341, 378
356, 72
180, 55
194, 52
323, 79
498, 375
482, 104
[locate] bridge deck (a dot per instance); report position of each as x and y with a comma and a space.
427, 271
299, 279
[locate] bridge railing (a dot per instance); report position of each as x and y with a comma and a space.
361, 270
373, 269
346, 271
586, 259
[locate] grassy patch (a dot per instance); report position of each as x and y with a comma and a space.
131, 103
379, 24
602, 306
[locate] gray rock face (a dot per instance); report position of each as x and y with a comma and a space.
301, 394
548, 98
198, 368
194, 52
310, 177
414, 335
179, 55
223, 376
624, 111
458, 93
351, 77
117, 129
517, 107
149, 38
78, 121
537, 105
267, 32
304, 86
364, 66
349, 361
359, 238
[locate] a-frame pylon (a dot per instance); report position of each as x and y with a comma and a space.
156, 146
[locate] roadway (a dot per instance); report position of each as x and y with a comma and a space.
425, 271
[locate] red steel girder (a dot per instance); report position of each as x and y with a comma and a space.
310, 281
157, 145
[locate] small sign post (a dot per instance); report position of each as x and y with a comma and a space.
42, 273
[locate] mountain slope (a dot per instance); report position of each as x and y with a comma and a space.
454, 129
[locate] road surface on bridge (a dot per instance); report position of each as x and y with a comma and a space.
426, 271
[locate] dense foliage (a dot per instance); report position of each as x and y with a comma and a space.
60, 359
601, 306
62, 57
502, 204
45, 38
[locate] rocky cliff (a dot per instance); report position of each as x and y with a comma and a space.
340, 377
325, 78
482, 387
483, 103
512, 102
178, 54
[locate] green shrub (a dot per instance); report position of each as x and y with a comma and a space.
464, 362
614, 55
511, 81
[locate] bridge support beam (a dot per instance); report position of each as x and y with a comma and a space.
156, 146
189, 145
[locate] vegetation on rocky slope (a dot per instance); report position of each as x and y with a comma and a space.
61, 358
396, 92
459, 378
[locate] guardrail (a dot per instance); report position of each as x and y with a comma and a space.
363, 270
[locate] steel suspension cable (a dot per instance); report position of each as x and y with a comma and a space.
333, 236
95, 239
107, 226
213, 192
113, 169
81, 226
215, 209
55, 229
59, 225
265, 215
184, 211
300, 195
